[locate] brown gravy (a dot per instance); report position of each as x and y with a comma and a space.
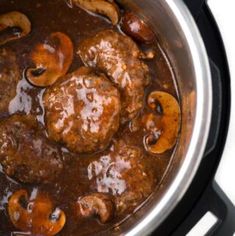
52, 16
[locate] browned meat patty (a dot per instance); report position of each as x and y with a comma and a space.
9, 77
25, 153
82, 111
122, 172
118, 56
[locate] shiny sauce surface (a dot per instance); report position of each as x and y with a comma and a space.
83, 173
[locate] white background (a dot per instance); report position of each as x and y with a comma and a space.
224, 12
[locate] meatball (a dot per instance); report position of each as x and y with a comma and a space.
122, 172
9, 77
82, 111
25, 153
118, 56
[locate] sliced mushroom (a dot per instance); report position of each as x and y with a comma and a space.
103, 7
96, 204
14, 19
163, 126
35, 213
136, 28
52, 60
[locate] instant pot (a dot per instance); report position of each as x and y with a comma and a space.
190, 37
187, 30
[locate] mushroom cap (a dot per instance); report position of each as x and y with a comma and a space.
35, 214
103, 7
52, 60
164, 130
136, 28
14, 19
96, 204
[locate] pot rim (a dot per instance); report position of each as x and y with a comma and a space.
201, 128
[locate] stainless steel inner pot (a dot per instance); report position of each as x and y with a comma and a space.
179, 36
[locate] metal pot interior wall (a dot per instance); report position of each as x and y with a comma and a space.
194, 87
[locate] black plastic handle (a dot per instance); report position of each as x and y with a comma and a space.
224, 210
217, 94
195, 6
215, 201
